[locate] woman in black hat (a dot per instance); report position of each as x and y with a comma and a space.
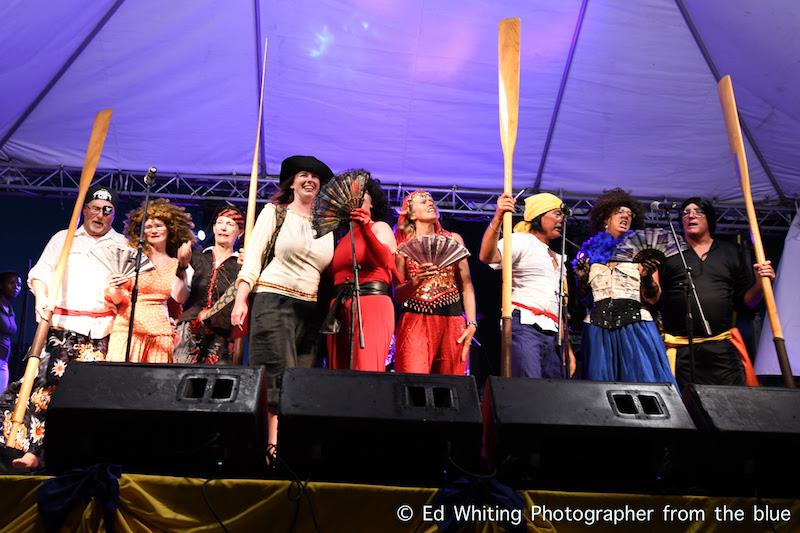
282, 268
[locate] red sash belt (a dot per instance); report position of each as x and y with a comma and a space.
92, 314
537, 311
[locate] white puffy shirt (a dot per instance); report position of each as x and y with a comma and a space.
299, 258
534, 279
84, 283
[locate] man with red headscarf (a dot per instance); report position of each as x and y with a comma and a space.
210, 273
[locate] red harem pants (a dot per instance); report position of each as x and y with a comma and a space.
428, 344
377, 319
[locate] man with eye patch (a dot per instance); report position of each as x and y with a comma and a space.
724, 285
80, 324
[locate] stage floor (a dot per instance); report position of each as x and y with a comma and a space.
160, 503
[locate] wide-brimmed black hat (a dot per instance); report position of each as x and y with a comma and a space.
297, 163
101, 192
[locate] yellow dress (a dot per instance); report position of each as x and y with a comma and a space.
153, 334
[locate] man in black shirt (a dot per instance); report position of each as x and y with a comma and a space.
723, 285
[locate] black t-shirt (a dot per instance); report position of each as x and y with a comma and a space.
203, 265
721, 281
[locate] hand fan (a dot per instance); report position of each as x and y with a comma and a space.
336, 199
121, 261
439, 250
649, 243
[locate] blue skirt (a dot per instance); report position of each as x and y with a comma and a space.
632, 353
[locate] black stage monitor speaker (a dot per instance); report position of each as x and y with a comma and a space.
585, 435
159, 419
749, 439
377, 428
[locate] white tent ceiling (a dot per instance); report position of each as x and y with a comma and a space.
408, 89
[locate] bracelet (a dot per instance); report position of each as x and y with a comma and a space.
493, 228
472, 323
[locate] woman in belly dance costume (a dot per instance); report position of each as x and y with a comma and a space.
433, 336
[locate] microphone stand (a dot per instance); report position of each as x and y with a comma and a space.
562, 295
691, 291
148, 181
355, 304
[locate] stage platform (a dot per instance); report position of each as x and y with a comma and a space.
161, 503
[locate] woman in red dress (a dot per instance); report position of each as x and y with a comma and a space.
375, 248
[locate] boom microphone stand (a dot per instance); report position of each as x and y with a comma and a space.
562, 294
355, 304
148, 181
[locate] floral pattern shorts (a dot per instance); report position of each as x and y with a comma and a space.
62, 348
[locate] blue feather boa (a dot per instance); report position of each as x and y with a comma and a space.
599, 248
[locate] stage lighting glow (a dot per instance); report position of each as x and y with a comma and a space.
201, 235
324, 39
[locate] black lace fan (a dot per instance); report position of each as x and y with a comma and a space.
649, 243
336, 199
439, 250
121, 261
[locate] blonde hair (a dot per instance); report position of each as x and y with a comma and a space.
406, 226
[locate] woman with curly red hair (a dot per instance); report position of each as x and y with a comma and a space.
432, 336
620, 340
168, 236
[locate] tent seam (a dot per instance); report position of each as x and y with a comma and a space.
60, 72
698, 39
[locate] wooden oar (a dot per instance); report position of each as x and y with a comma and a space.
96, 141
508, 77
726, 98
250, 217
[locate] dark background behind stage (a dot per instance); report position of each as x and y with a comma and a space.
28, 223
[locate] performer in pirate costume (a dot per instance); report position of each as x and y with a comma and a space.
723, 285
167, 243
375, 248
210, 273
620, 340
432, 336
535, 276
282, 268
81, 320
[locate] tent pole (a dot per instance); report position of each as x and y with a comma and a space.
259, 88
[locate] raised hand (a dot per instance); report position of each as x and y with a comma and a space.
185, 254
360, 216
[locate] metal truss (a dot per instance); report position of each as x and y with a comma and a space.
462, 203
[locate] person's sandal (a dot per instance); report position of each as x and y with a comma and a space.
272, 457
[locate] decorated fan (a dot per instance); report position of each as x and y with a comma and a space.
336, 199
121, 261
650, 243
439, 250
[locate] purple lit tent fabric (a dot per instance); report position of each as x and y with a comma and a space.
787, 294
408, 89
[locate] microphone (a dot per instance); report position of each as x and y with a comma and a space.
150, 176
566, 210
665, 206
